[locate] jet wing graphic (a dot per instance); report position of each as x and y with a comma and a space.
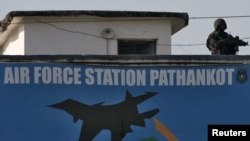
117, 117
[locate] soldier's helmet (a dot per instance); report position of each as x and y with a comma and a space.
219, 22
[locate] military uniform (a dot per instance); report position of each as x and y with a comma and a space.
220, 42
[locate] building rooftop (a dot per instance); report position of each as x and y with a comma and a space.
179, 20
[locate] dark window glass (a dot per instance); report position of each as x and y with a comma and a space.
136, 47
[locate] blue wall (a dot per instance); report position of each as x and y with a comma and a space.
189, 98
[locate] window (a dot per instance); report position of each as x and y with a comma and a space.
136, 47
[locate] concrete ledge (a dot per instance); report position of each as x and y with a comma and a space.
132, 59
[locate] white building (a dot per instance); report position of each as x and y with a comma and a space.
89, 32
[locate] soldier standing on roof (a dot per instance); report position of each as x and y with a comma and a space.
220, 42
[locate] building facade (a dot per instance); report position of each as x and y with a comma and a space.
89, 32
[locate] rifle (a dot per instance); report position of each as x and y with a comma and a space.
238, 42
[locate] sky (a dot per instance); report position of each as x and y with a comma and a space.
188, 41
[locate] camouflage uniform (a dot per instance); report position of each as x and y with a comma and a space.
221, 43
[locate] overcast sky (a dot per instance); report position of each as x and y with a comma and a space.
189, 41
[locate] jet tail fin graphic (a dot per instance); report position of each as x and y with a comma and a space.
141, 98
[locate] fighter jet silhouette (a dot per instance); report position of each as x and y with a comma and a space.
117, 118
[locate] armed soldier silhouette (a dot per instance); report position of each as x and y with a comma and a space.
220, 42
117, 118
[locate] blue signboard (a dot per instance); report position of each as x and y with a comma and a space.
76, 102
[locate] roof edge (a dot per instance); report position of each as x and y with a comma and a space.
99, 13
